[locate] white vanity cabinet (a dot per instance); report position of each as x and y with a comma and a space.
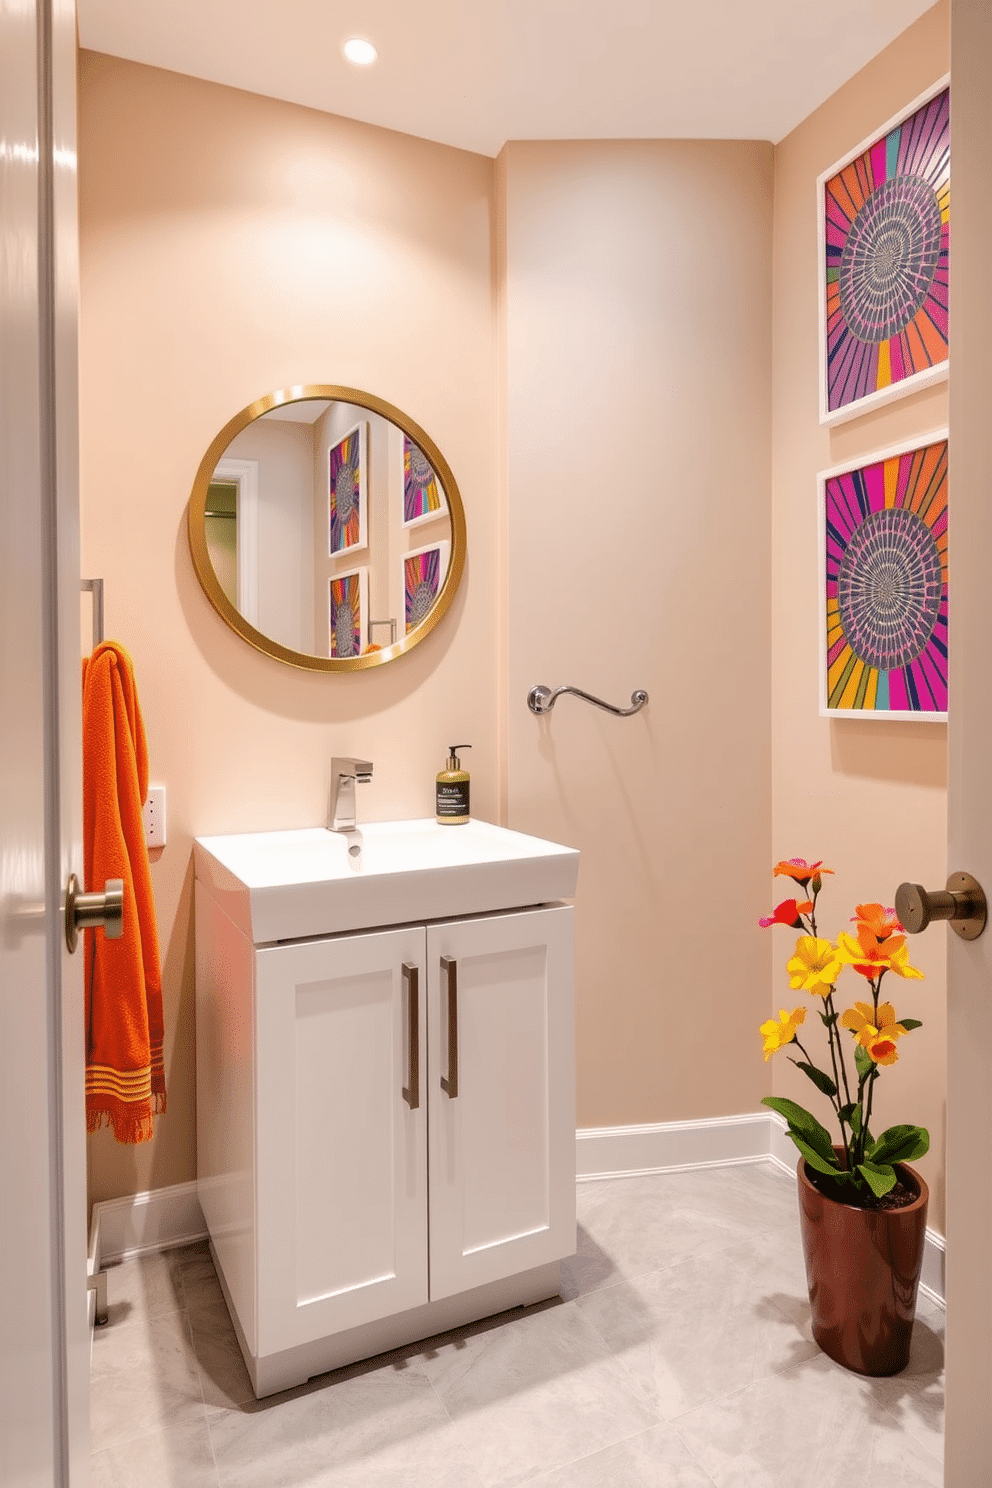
341, 1159
386, 1127
501, 1197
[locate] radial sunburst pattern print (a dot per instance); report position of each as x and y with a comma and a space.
421, 493
346, 615
886, 585
887, 234
345, 493
422, 580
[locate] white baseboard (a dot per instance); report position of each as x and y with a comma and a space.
172, 1216
932, 1280
715, 1142
150, 1221
628, 1151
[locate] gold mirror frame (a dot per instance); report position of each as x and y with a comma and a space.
196, 526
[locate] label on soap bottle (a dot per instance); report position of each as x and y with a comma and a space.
452, 797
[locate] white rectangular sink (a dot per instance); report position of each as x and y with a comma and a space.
297, 884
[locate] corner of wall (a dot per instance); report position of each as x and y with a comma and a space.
500, 230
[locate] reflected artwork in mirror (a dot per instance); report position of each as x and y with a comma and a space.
326, 528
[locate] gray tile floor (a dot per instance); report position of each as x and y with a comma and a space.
679, 1357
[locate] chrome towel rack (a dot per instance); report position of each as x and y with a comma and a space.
541, 699
95, 587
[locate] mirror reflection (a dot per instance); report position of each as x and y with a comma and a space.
327, 529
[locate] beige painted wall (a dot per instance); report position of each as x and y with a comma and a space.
232, 245
867, 797
635, 356
612, 427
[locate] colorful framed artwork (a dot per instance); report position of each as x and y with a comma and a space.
883, 575
884, 229
348, 599
424, 573
347, 505
422, 494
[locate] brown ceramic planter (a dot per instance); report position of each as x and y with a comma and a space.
863, 1270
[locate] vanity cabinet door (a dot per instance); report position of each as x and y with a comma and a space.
341, 1149
502, 1135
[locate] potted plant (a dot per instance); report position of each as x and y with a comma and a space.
863, 1211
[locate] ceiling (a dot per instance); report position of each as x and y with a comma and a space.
475, 73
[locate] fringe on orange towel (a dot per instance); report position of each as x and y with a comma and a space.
125, 1074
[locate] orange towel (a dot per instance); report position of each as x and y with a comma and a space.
125, 1074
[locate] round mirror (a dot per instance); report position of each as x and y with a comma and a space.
326, 528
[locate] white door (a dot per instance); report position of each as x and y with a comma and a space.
44, 1347
968, 1441
341, 1134
502, 1096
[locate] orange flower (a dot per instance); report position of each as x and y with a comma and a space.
880, 922
876, 1032
801, 871
868, 957
788, 913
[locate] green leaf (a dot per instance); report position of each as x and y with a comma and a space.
900, 1144
828, 1019
879, 1177
910, 1023
856, 1119
817, 1161
863, 1061
820, 1078
846, 1113
801, 1121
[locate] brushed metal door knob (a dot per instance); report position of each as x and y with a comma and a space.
83, 911
962, 904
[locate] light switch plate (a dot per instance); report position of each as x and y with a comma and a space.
153, 815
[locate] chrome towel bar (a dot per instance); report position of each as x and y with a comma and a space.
95, 587
541, 699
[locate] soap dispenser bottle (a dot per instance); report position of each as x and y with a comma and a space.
452, 790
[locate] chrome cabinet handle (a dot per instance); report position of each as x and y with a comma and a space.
962, 903
449, 1083
83, 911
411, 975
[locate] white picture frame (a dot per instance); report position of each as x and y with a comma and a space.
347, 476
355, 583
413, 602
880, 570
416, 484
901, 346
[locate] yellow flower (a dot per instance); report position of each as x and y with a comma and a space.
778, 1032
815, 966
899, 963
876, 1032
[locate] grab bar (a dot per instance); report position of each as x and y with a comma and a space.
541, 699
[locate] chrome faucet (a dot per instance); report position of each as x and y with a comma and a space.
344, 773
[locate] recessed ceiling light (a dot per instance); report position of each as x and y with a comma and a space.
362, 53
